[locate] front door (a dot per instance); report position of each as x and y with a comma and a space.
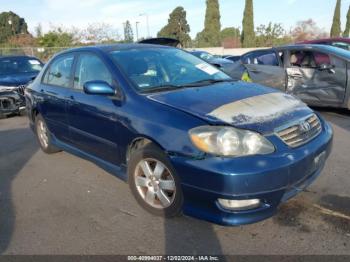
317, 78
93, 118
265, 68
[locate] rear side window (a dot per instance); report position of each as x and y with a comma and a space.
90, 68
59, 72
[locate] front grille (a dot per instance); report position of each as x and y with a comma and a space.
301, 132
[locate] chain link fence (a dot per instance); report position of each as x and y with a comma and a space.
43, 53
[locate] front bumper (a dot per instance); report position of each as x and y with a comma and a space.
273, 179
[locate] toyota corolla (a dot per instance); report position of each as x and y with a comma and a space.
185, 136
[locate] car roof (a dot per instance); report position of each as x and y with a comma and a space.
321, 48
113, 47
339, 39
19, 56
342, 53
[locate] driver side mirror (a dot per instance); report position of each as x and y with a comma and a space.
98, 88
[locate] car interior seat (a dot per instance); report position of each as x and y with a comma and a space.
308, 61
294, 60
137, 70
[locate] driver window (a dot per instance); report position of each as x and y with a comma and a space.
90, 68
310, 59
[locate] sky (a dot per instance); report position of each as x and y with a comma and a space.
80, 13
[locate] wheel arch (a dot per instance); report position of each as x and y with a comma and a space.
138, 142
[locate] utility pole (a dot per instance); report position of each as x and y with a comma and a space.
137, 31
147, 23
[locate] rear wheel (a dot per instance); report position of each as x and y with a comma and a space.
154, 183
44, 136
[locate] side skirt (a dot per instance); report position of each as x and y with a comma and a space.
118, 171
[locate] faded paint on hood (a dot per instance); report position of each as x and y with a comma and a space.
258, 109
238, 104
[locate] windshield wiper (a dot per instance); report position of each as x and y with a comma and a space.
206, 82
170, 87
161, 88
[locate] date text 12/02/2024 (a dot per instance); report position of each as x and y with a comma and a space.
173, 258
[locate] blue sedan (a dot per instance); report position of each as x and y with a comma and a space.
185, 136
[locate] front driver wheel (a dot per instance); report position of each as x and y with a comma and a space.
154, 183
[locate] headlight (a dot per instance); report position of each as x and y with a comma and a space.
229, 141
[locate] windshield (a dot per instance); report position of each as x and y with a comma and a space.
17, 65
164, 68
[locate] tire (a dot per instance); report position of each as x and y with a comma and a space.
156, 183
44, 136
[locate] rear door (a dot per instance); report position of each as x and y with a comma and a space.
317, 78
266, 68
93, 118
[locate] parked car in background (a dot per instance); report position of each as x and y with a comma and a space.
15, 73
183, 134
341, 42
224, 65
162, 41
317, 74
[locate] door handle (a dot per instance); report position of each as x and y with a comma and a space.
71, 97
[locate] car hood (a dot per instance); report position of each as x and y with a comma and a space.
243, 105
17, 79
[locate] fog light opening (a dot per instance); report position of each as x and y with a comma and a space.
239, 205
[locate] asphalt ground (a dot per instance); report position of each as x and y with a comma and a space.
61, 204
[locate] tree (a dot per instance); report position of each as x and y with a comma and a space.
248, 34
177, 27
336, 26
128, 34
347, 28
210, 36
56, 38
38, 31
271, 35
230, 32
307, 30
100, 33
230, 37
11, 24
21, 40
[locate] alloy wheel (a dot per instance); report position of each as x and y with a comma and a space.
155, 183
42, 134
